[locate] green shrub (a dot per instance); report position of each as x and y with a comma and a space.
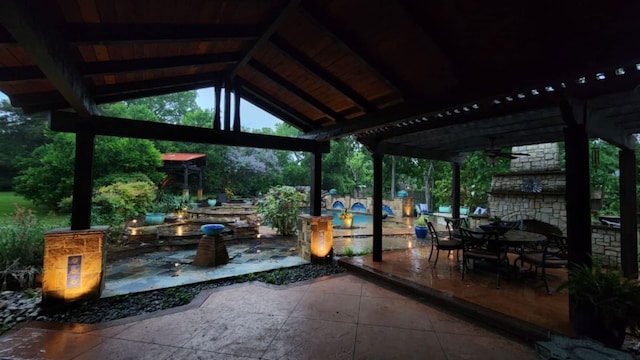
23, 240
280, 208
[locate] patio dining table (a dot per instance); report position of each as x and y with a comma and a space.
517, 239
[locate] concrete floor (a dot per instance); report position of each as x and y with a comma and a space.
338, 317
344, 316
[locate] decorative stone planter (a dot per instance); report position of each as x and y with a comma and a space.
154, 218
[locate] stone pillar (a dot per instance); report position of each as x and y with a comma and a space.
74, 265
315, 237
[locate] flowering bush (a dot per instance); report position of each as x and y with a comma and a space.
280, 208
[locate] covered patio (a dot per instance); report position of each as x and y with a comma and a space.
429, 80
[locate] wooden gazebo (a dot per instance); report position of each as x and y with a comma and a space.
185, 164
425, 79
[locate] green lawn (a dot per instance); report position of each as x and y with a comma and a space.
8, 201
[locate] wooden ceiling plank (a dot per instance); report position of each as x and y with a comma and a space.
281, 81
20, 73
124, 88
135, 65
49, 52
106, 34
144, 93
355, 49
320, 73
273, 27
111, 126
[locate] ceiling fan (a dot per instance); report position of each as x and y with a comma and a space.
493, 152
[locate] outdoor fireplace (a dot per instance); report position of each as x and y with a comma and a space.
534, 188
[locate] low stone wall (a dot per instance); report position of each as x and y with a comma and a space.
397, 205
605, 245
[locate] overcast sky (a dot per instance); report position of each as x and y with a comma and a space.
251, 117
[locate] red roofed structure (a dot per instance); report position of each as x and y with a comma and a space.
185, 164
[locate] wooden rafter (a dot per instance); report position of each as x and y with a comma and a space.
146, 33
260, 98
111, 126
275, 24
320, 73
354, 47
47, 50
298, 92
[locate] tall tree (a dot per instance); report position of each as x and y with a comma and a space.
19, 136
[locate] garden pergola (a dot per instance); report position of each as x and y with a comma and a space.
411, 78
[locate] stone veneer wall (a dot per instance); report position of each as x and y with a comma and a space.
542, 157
534, 188
605, 245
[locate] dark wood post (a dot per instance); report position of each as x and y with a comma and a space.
236, 112
315, 201
377, 206
227, 107
216, 115
628, 211
82, 181
578, 194
455, 191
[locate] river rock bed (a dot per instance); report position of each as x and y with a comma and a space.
19, 306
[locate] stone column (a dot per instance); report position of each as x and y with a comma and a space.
74, 266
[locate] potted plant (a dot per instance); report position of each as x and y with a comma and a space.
420, 227
346, 217
605, 303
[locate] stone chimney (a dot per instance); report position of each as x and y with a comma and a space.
533, 189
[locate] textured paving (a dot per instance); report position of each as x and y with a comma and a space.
338, 317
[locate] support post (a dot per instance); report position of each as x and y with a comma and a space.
200, 192
377, 206
455, 191
227, 107
236, 112
628, 218
578, 194
216, 115
315, 201
82, 181
185, 184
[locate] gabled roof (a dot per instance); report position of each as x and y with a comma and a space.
182, 156
410, 77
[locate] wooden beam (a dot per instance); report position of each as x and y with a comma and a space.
132, 87
137, 94
275, 24
101, 33
48, 51
260, 103
355, 48
388, 116
216, 115
266, 102
111, 126
135, 65
598, 125
50, 100
20, 73
320, 73
418, 153
298, 92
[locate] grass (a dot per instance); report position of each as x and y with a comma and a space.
349, 252
9, 201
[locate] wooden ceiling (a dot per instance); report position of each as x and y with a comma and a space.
411, 77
